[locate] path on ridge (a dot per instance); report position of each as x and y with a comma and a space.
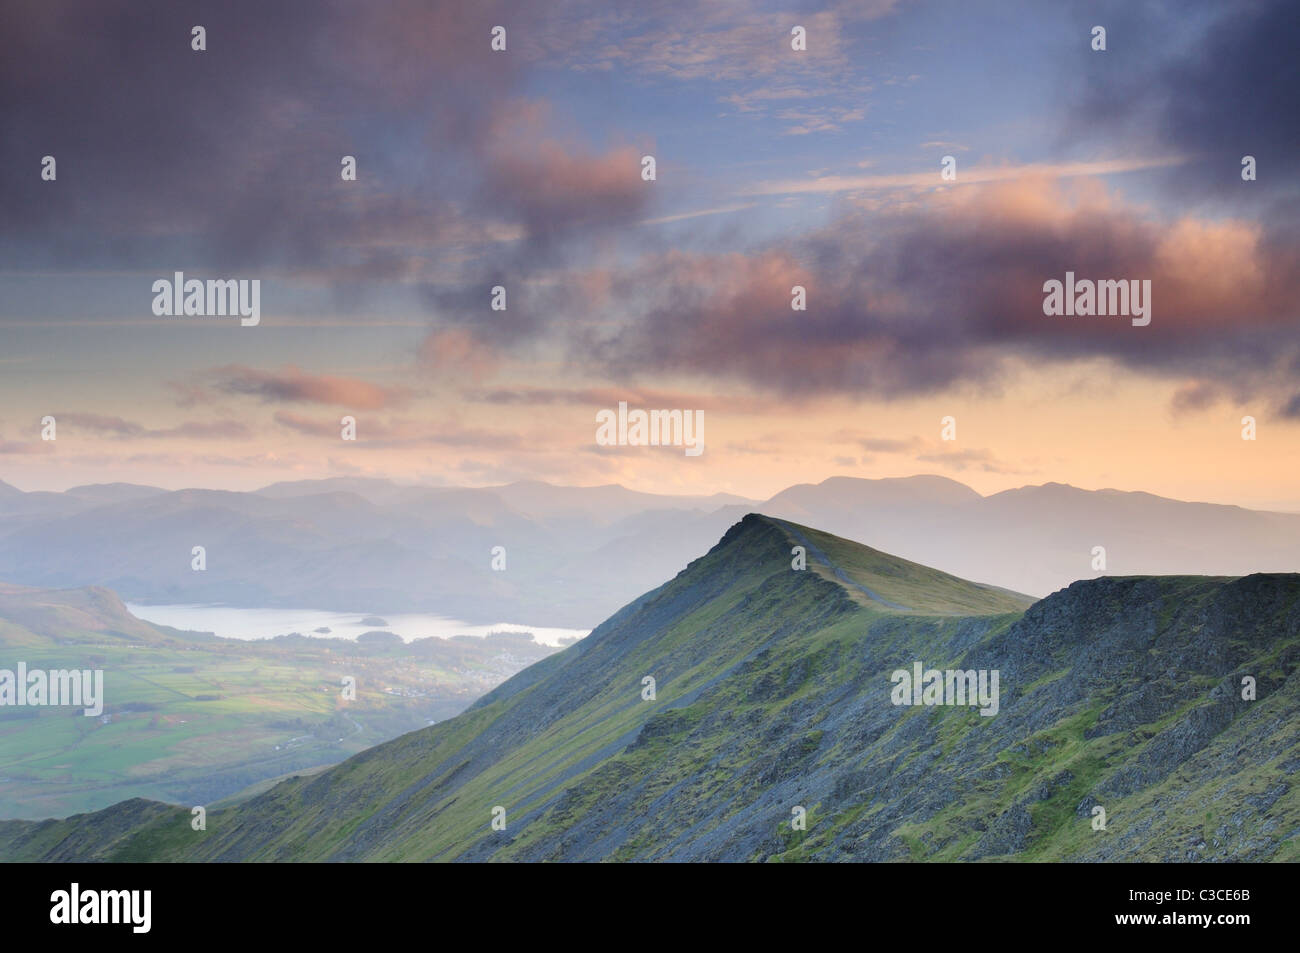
839, 573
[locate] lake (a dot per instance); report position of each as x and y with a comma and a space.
235, 623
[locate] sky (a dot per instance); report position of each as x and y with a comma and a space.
775, 167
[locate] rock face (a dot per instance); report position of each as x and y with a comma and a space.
772, 693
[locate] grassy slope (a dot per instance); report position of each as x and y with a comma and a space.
918, 588
772, 691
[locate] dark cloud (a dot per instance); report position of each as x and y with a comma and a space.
556, 188
945, 294
230, 158
1226, 90
1195, 396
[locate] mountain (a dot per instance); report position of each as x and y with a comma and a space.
532, 498
357, 545
69, 616
1038, 539
773, 692
609, 502
113, 492
574, 555
369, 488
850, 494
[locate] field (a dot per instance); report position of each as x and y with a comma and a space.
192, 719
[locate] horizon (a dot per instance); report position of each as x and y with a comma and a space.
840, 249
686, 495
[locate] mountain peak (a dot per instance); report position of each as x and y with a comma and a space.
873, 579
847, 493
688, 722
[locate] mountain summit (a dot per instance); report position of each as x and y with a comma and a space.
749, 710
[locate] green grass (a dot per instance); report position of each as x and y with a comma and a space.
193, 720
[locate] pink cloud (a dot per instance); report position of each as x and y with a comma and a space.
291, 385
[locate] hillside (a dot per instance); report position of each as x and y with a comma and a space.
188, 716
91, 614
773, 692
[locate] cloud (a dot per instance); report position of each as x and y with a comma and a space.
111, 426
683, 216
1225, 90
189, 393
960, 460
556, 188
457, 354
979, 175
231, 157
878, 444
885, 445
101, 424
561, 198
694, 40
205, 430
609, 396
18, 447
1194, 396
377, 434
945, 292
310, 427
291, 385
820, 119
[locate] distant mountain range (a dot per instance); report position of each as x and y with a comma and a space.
1122, 731
573, 555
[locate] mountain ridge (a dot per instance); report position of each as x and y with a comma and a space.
575, 555
773, 692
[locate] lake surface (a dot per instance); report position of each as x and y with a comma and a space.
235, 623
